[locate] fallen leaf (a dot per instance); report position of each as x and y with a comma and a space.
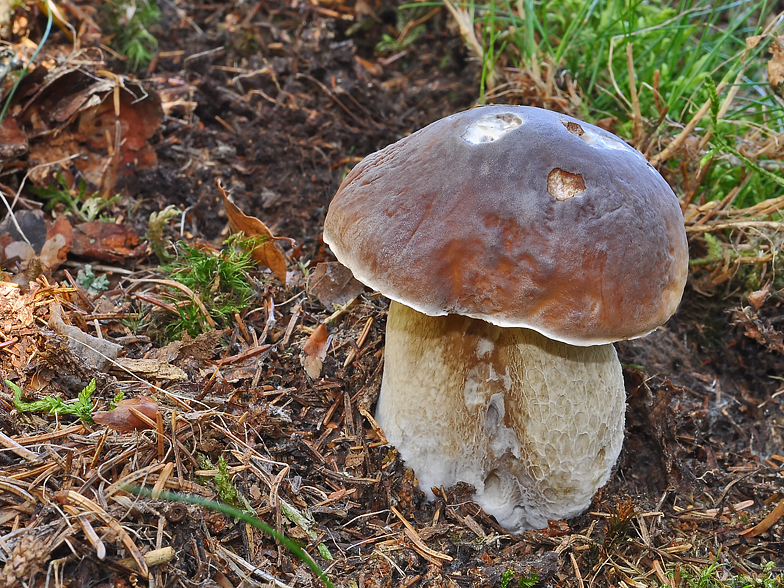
200, 348
757, 298
106, 241
16, 310
49, 241
266, 253
59, 240
13, 142
333, 284
752, 42
315, 351
556, 529
122, 419
107, 124
776, 63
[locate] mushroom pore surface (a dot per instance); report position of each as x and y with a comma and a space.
535, 425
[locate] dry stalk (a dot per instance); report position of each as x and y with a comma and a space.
465, 23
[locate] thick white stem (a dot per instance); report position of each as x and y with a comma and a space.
534, 424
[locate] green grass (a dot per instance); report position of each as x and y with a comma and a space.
685, 82
226, 509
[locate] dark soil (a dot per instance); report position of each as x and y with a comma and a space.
301, 114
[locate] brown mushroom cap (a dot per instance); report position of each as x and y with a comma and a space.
520, 217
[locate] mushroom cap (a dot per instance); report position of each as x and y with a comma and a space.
518, 216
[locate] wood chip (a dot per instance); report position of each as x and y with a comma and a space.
151, 368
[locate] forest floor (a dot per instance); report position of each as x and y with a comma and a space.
276, 101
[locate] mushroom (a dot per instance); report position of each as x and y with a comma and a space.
516, 245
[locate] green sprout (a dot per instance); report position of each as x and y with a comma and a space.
523, 582
83, 206
82, 407
220, 280
227, 490
155, 237
87, 279
118, 398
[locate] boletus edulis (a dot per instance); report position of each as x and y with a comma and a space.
516, 245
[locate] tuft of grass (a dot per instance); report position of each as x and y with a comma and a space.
82, 407
220, 281
645, 64
411, 25
130, 21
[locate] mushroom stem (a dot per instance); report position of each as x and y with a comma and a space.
535, 425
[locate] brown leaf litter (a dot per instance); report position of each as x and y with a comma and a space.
88, 125
312, 443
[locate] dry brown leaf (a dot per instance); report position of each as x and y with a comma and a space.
51, 242
106, 124
13, 142
59, 239
266, 253
752, 42
334, 284
106, 242
776, 63
122, 419
315, 350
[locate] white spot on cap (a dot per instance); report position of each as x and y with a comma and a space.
594, 139
491, 128
604, 141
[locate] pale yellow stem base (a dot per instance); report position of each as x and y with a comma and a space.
534, 425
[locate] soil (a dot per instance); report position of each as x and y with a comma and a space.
278, 101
